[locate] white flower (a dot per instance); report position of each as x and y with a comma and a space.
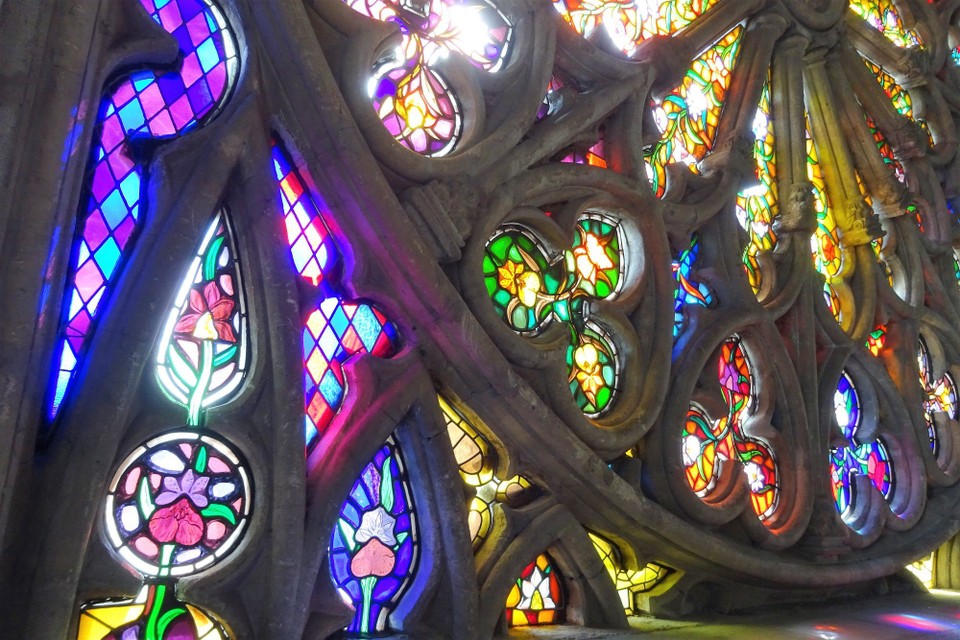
691, 450
754, 476
696, 102
377, 524
535, 592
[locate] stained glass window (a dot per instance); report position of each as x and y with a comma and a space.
757, 205
830, 255
923, 569
475, 458
868, 459
706, 441
628, 582
530, 290
113, 619
595, 156
688, 116
411, 96
146, 104
877, 340
537, 597
203, 350
629, 22
338, 328
375, 543
688, 291
940, 395
176, 506
883, 16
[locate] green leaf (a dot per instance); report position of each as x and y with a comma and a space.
219, 511
348, 534
386, 485
145, 500
167, 618
180, 366
201, 464
210, 259
225, 355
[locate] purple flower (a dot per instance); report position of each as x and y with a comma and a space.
189, 484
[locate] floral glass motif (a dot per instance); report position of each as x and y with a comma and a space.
688, 116
537, 597
375, 546
757, 205
688, 291
940, 395
142, 105
475, 458
203, 350
706, 442
628, 582
176, 506
629, 22
530, 290
410, 95
902, 102
104, 619
868, 459
883, 16
338, 329
179, 504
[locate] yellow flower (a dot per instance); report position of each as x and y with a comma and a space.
519, 282
589, 372
591, 257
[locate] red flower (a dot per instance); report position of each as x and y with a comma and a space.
208, 319
178, 522
373, 559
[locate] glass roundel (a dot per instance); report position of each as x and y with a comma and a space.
178, 504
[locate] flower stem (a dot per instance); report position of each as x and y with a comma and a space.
366, 586
203, 382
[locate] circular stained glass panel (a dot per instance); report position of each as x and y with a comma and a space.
178, 504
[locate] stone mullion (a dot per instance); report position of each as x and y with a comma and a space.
889, 197
857, 224
868, 89
875, 46
743, 97
789, 135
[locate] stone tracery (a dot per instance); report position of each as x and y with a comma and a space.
414, 230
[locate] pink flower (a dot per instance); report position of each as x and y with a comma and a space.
209, 316
179, 522
373, 559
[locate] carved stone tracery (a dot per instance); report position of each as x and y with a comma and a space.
414, 230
